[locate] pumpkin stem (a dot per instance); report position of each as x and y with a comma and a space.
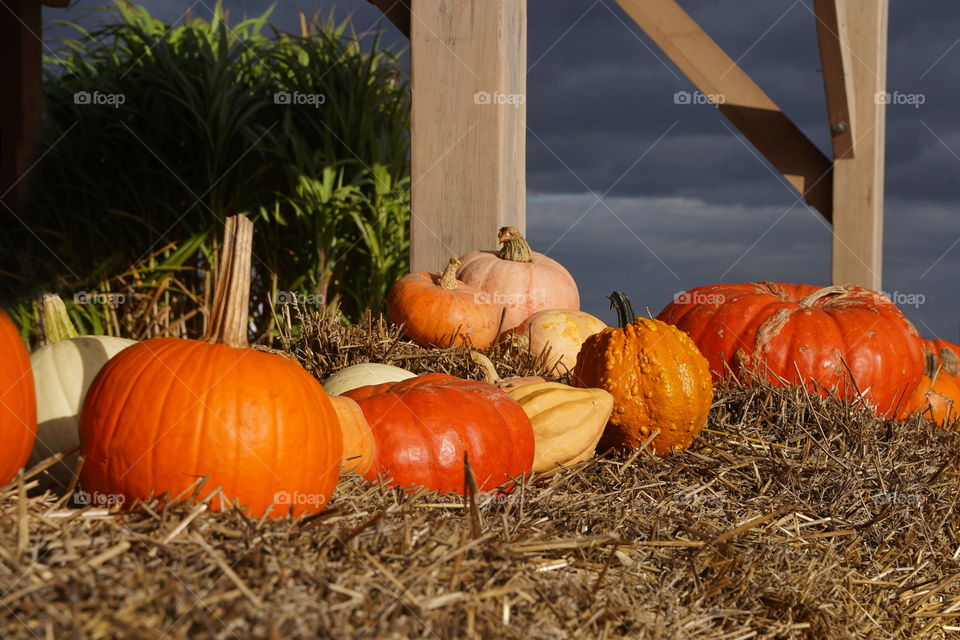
55, 319
490, 374
231, 301
625, 313
515, 247
823, 293
930, 365
448, 279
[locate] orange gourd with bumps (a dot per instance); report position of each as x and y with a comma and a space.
658, 378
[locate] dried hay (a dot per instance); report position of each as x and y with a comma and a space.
792, 517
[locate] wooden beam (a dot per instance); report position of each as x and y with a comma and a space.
744, 103
398, 11
468, 126
837, 77
20, 98
858, 181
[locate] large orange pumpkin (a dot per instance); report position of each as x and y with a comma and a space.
519, 279
18, 405
424, 426
658, 378
793, 334
166, 412
439, 310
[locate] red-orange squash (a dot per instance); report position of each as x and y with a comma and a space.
424, 426
166, 412
438, 310
519, 280
18, 404
802, 334
658, 379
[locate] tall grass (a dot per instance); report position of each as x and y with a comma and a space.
132, 196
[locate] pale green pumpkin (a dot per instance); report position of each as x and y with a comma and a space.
361, 375
62, 372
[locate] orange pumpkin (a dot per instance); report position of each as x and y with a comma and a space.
519, 279
937, 397
844, 340
438, 310
658, 378
166, 412
358, 443
18, 405
560, 333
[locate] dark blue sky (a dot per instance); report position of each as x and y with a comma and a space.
685, 200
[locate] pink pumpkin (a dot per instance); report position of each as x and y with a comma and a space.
519, 279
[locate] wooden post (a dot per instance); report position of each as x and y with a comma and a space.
468, 125
858, 180
20, 98
738, 97
833, 36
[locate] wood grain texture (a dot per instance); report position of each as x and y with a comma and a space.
832, 35
858, 181
744, 103
467, 151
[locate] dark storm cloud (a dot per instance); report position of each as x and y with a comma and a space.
653, 248
600, 93
682, 184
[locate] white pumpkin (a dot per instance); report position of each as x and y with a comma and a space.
360, 375
62, 373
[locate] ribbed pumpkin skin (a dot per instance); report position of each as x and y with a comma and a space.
938, 400
167, 411
424, 425
358, 443
439, 317
658, 378
567, 422
766, 328
18, 404
523, 288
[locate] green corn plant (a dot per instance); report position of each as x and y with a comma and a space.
132, 196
